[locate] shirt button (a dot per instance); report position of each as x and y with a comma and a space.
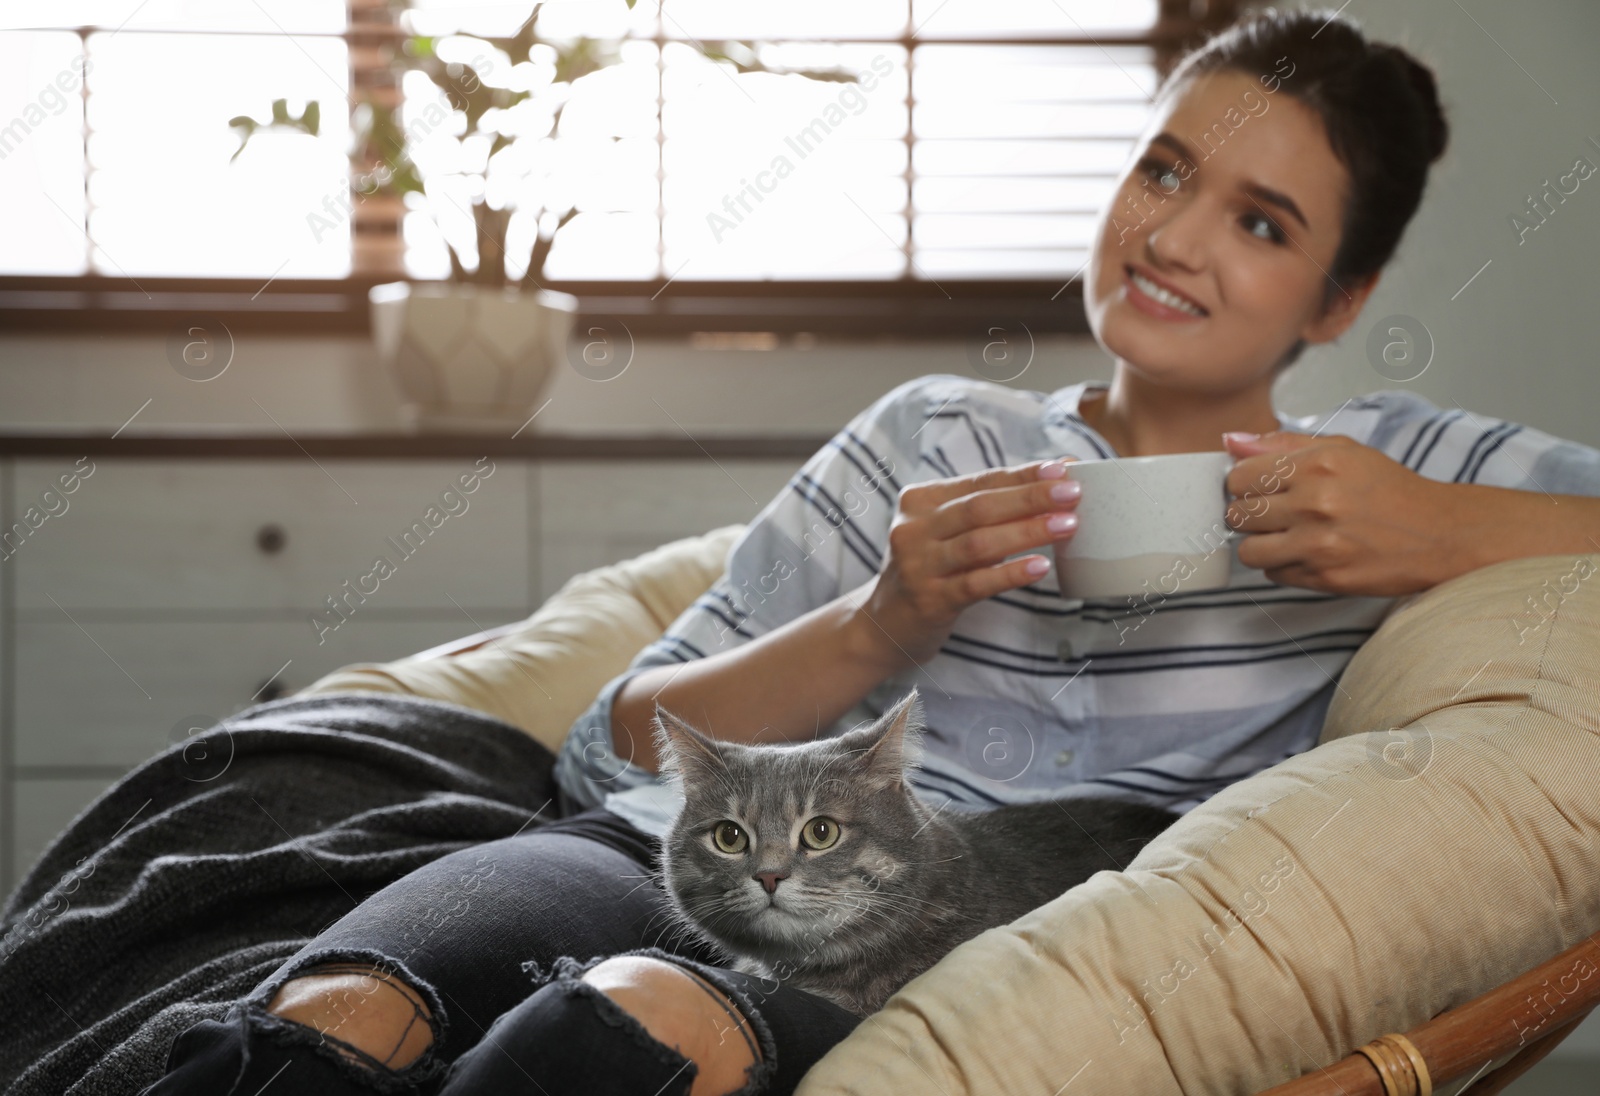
1064, 650
1064, 757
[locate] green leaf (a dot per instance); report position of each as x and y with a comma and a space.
577, 59
310, 121
827, 76
247, 126
383, 139
744, 58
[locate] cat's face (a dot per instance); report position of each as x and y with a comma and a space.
779, 847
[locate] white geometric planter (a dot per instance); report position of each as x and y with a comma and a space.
468, 357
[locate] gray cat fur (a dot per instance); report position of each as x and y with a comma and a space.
902, 885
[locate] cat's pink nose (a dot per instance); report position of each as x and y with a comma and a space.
769, 879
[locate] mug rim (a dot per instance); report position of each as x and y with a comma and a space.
1071, 464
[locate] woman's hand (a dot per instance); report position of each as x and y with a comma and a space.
948, 547
1333, 514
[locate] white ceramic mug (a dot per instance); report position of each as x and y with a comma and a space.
1149, 525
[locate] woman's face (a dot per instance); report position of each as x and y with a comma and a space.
1233, 201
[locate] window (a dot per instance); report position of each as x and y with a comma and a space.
944, 143
115, 149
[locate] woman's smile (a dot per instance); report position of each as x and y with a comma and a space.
1161, 299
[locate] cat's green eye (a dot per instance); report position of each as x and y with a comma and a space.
819, 833
729, 837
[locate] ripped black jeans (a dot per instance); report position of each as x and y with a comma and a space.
494, 939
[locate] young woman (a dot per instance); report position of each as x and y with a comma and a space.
1281, 165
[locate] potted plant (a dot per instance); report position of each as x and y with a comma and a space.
474, 350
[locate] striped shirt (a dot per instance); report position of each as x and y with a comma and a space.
1034, 695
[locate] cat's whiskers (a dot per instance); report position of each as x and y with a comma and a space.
674, 933
710, 911
872, 892
675, 921
717, 921
909, 907
888, 941
891, 910
877, 907
670, 912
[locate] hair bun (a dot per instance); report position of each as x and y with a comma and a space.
1420, 77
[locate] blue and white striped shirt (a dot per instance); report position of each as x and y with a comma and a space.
1036, 695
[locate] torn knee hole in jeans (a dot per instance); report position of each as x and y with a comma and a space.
384, 975
568, 968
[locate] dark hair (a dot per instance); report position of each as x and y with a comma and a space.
1379, 107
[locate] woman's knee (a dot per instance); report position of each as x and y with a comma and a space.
359, 1006
683, 1011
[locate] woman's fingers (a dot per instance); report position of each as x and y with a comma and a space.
1257, 513
985, 582
998, 506
992, 543
922, 498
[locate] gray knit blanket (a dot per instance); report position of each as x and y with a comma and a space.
198, 874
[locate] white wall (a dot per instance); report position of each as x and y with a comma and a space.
1520, 342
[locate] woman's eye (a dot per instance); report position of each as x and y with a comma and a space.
729, 837
819, 833
1165, 175
1273, 232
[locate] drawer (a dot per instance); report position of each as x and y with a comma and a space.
181, 535
598, 512
132, 689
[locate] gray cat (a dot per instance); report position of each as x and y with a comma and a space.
814, 864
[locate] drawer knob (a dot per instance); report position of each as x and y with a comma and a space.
271, 539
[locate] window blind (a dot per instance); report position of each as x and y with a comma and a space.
931, 140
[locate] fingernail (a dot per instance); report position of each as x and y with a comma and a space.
1038, 565
1060, 523
1240, 435
1052, 469
1066, 492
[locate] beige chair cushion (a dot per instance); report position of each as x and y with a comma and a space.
543, 676
1440, 840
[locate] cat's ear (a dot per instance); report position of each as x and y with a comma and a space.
682, 750
891, 744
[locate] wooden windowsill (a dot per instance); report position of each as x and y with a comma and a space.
832, 311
